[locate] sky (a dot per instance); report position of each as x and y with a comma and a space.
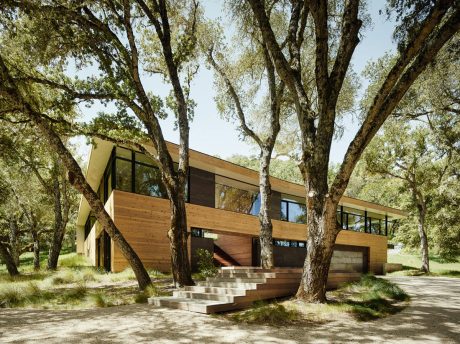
211, 134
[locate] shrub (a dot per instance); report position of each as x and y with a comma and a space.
206, 265
151, 291
271, 314
100, 300
76, 293
73, 260
11, 296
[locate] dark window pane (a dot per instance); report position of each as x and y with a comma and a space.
124, 176
356, 222
234, 199
375, 225
284, 215
148, 181
124, 153
144, 159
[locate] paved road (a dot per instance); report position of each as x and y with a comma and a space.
433, 316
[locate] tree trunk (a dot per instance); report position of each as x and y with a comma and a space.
58, 235
8, 259
15, 249
178, 236
423, 240
266, 227
78, 181
36, 251
420, 202
322, 232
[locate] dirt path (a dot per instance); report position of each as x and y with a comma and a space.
433, 316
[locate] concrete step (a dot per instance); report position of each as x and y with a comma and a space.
204, 296
216, 290
193, 305
238, 274
236, 279
236, 285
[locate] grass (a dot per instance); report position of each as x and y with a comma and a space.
368, 299
75, 285
412, 262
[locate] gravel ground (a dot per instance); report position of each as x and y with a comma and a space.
433, 316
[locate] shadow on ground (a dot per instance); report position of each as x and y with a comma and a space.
433, 316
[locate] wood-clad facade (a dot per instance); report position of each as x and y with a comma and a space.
221, 202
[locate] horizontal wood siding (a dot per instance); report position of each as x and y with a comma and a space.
144, 221
237, 246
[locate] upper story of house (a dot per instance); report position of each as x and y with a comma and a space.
220, 184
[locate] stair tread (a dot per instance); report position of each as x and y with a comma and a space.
187, 300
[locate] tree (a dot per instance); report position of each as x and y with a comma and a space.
124, 39
232, 75
423, 153
20, 148
17, 106
421, 35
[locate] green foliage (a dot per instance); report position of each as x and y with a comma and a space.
206, 265
73, 260
438, 265
100, 300
274, 314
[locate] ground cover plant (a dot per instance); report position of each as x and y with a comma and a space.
368, 299
75, 285
411, 265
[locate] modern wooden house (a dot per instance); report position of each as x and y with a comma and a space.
222, 208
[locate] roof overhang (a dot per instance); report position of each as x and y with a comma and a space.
100, 154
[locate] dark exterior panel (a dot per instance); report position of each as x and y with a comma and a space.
275, 211
202, 187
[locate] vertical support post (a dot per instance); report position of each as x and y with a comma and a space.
386, 225
365, 222
341, 216
133, 172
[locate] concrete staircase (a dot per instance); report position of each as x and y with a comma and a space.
237, 287
233, 288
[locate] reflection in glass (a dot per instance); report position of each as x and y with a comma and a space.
234, 199
356, 222
148, 181
375, 225
297, 213
284, 215
124, 176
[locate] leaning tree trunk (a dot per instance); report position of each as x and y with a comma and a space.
178, 236
266, 227
77, 180
8, 259
322, 232
423, 240
58, 235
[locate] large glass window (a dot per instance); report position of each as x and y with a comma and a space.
148, 181
375, 225
293, 211
236, 196
124, 175
356, 222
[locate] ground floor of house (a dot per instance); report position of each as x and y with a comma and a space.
230, 236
